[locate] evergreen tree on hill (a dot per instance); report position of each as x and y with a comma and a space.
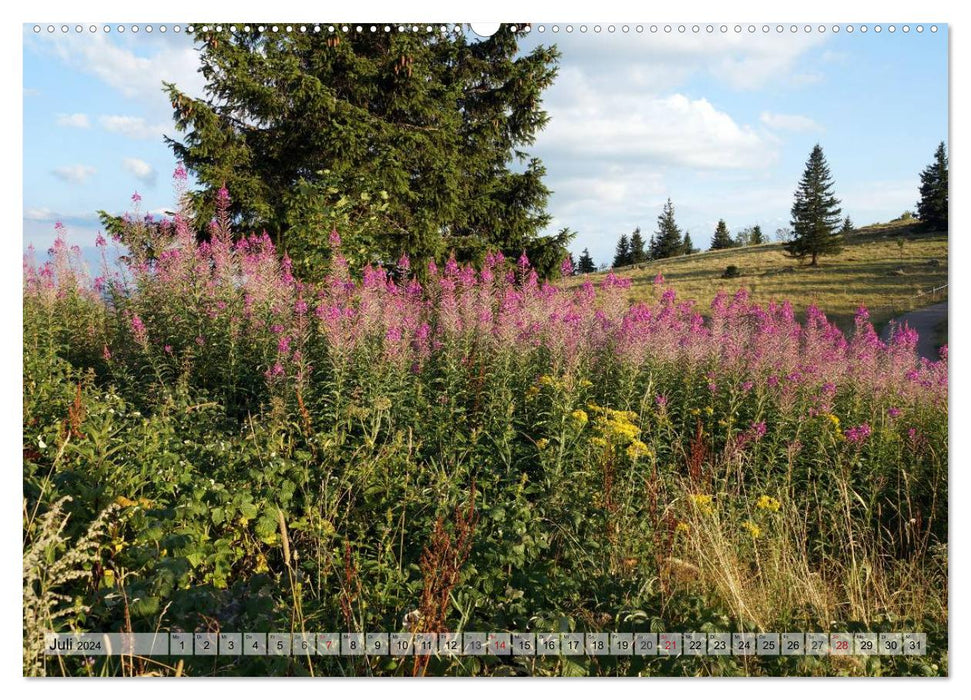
721, 238
815, 213
585, 265
637, 252
932, 207
667, 242
622, 254
689, 247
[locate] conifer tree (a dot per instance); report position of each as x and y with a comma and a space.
414, 134
756, 237
622, 254
689, 247
847, 227
586, 265
815, 213
722, 238
932, 207
667, 241
637, 252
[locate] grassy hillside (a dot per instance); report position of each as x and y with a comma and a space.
874, 269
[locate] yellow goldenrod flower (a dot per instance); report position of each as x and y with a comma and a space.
834, 420
696, 411
637, 449
754, 530
580, 417
542, 443
768, 503
547, 380
382, 403
702, 502
709, 411
585, 383
532, 391
599, 442
682, 527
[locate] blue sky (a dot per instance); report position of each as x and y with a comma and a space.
720, 123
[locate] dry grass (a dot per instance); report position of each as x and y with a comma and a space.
873, 270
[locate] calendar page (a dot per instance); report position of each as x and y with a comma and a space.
532, 349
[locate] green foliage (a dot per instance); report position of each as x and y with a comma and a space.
585, 265
689, 246
756, 237
815, 213
622, 255
637, 252
722, 238
434, 121
933, 205
731, 271
666, 241
328, 204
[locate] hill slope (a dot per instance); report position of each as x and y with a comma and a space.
884, 267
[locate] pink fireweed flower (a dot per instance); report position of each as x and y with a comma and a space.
168, 349
100, 241
334, 239
180, 172
276, 329
283, 347
566, 267
758, 429
138, 329
200, 340
136, 198
404, 263
523, 261
659, 280
300, 307
106, 353
661, 400
858, 434
893, 412
99, 284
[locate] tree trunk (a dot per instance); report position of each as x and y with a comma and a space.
813, 263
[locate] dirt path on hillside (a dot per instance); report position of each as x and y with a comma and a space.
924, 321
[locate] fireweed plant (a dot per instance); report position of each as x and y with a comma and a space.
469, 449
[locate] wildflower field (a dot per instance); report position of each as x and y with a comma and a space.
210, 443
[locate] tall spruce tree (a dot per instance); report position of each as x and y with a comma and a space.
622, 253
847, 228
722, 238
586, 265
409, 140
756, 237
932, 207
637, 252
667, 240
815, 212
688, 246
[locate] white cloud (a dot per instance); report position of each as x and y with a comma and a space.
135, 76
663, 61
141, 170
78, 121
788, 122
132, 127
39, 214
670, 130
74, 174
